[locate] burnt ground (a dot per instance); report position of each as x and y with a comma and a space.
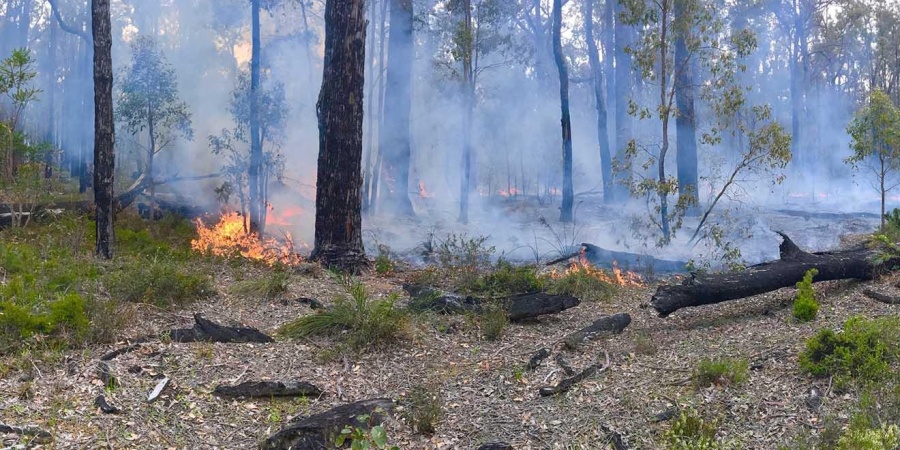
485, 394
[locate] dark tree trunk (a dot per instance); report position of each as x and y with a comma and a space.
395, 142
768, 276
255, 172
597, 72
104, 131
685, 121
338, 237
623, 84
568, 194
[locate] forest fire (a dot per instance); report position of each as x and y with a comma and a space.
228, 237
618, 277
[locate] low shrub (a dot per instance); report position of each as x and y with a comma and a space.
493, 321
268, 286
863, 350
692, 432
805, 305
506, 279
161, 282
383, 264
582, 283
723, 371
356, 318
423, 409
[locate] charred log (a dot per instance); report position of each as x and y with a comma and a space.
269, 389
604, 326
310, 302
568, 383
319, 431
39, 436
205, 330
602, 257
700, 289
526, 306
104, 406
519, 307
883, 298
537, 358
495, 446
423, 298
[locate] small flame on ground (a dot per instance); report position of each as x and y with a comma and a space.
618, 276
228, 237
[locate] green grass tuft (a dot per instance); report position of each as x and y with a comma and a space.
267, 287
723, 371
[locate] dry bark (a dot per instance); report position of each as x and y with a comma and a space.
319, 431
269, 389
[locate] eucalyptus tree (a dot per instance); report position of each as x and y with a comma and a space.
104, 128
148, 101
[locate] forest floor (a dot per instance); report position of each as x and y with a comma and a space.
483, 390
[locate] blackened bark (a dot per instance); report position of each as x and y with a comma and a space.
394, 138
685, 121
104, 131
597, 73
623, 84
255, 171
568, 194
338, 237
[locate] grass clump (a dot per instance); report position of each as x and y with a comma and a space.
462, 258
493, 321
723, 371
583, 283
805, 305
690, 431
269, 286
358, 319
384, 265
862, 351
506, 279
424, 409
161, 282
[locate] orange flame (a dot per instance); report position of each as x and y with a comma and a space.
228, 238
618, 276
508, 193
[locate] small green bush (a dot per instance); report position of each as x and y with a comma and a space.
383, 264
584, 285
731, 371
64, 317
863, 350
358, 319
506, 279
424, 409
161, 282
267, 287
691, 432
805, 305
493, 321
463, 258
887, 437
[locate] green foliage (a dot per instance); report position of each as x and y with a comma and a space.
268, 286
493, 321
424, 409
463, 259
357, 319
887, 437
582, 282
805, 305
722, 371
158, 281
875, 134
863, 350
383, 264
506, 279
692, 432
64, 317
370, 437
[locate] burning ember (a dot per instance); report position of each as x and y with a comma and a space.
618, 277
228, 237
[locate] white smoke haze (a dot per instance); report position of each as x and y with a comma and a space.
516, 136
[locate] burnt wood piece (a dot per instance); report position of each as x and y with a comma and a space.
665, 415
320, 430
119, 351
269, 389
495, 446
883, 298
614, 438
106, 376
538, 357
519, 307
40, 436
604, 326
311, 302
793, 263
526, 306
564, 365
568, 383
205, 330
602, 257
104, 406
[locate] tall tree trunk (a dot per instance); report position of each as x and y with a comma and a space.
568, 194
664, 106
685, 121
623, 94
255, 175
104, 131
338, 236
468, 111
394, 138
597, 82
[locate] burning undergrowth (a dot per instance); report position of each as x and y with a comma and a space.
230, 237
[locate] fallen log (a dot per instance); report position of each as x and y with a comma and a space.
536, 359
104, 406
519, 307
39, 435
205, 330
564, 365
495, 446
706, 289
604, 326
602, 257
568, 383
883, 298
269, 389
320, 430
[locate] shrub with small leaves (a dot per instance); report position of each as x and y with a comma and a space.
493, 321
805, 305
723, 371
887, 437
691, 432
863, 350
424, 409
372, 437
